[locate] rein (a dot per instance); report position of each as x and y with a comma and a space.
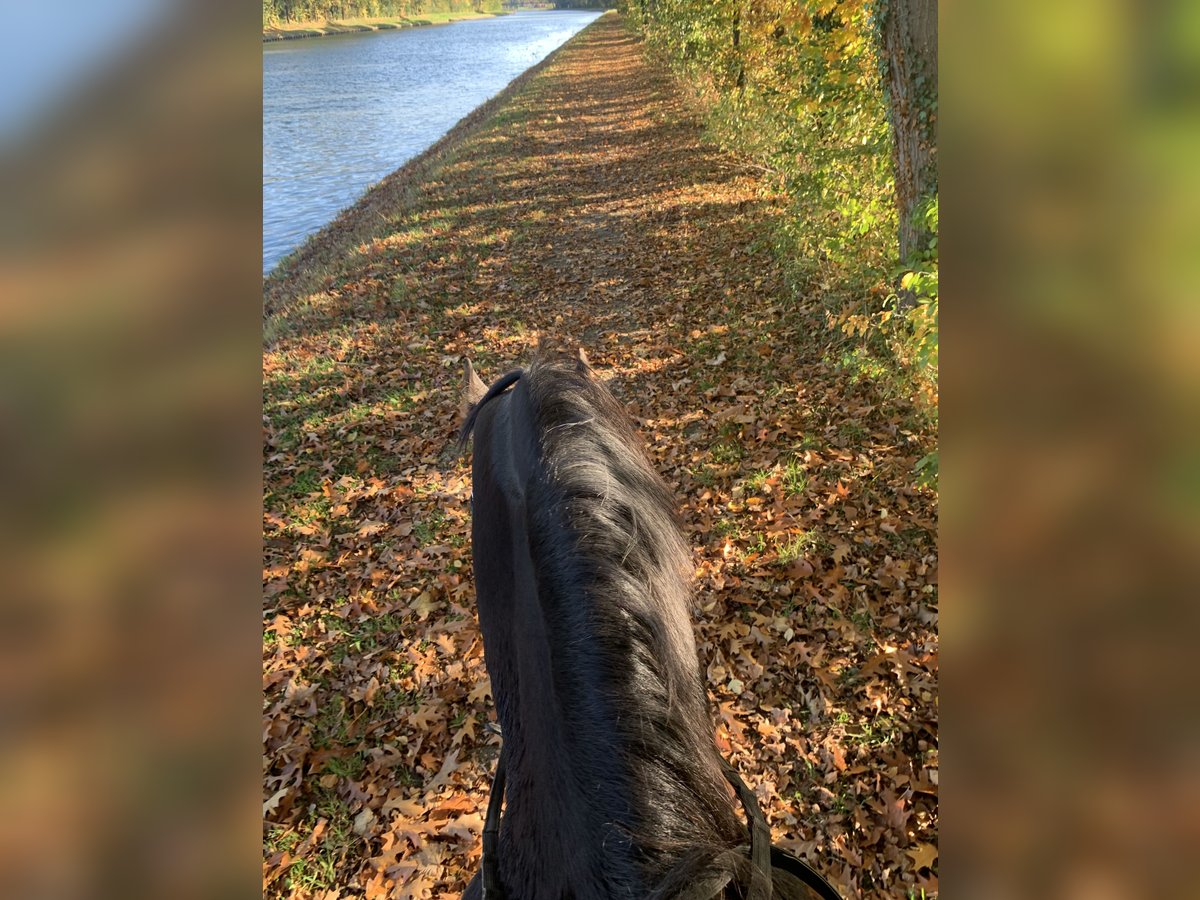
763, 855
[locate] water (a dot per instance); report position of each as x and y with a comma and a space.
339, 113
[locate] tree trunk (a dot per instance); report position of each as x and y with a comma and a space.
737, 52
908, 32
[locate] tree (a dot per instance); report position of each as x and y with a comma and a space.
908, 37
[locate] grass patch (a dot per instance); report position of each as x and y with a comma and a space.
401, 400
304, 484
727, 453
428, 530
862, 366
358, 413
808, 442
346, 766
795, 478
757, 481
281, 839
276, 31
729, 449
881, 731
318, 871
862, 619
329, 725
356, 638
727, 528
793, 548
852, 432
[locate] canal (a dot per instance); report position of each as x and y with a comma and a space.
341, 112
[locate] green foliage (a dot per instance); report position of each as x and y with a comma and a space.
911, 314
922, 283
798, 90
927, 470
281, 11
795, 478
798, 86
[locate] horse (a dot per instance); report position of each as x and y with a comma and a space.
609, 776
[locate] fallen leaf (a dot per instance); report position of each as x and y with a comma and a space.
363, 821
272, 804
443, 776
923, 855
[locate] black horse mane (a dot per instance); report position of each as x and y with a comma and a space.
603, 526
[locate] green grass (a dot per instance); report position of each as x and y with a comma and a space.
756, 481
346, 767
314, 423
842, 803
808, 442
281, 839
357, 413
852, 432
862, 366
400, 290
304, 483
400, 400
795, 478
881, 731
329, 725
441, 18
727, 453
393, 702
793, 548
729, 449
726, 528
862, 619
355, 638
429, 529
319, 870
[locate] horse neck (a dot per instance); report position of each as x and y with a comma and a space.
606, 733
570, 795
582, 747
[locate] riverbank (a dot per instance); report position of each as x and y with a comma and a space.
583, 204
297, 30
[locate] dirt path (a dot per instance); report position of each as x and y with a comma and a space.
589, 210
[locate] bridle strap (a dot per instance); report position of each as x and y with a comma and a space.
760, 838
798, 868
763, 856
493, 887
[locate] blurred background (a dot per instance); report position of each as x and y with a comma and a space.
130, 351
129, 433
1071, 465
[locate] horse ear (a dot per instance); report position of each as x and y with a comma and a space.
582, 364
473, 387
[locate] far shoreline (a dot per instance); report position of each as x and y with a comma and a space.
300, 30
